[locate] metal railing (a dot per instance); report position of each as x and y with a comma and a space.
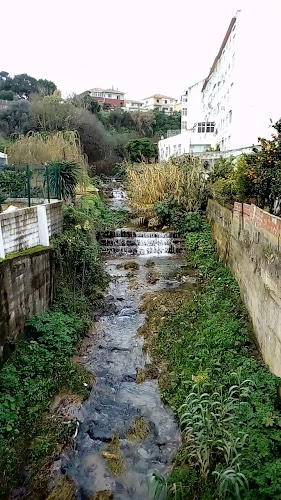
30, 183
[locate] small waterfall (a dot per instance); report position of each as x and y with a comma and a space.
119, 194
118, 199
126, 241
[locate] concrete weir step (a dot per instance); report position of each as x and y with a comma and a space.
126, 241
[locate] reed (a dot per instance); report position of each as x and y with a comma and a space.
38, 148
181, 181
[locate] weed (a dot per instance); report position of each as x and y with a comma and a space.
114, 456
139, 431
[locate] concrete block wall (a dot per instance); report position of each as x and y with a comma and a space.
54, 217
248, 240
26, 285
20, 228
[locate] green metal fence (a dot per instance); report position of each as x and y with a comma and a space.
32, 184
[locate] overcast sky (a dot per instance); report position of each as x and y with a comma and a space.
141, 47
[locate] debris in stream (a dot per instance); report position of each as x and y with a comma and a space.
151, 278
149, 372
139, 431
65, 489
149, 263
114, 456
102, 495
131, 265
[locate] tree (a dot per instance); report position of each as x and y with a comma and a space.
5, 81
16, 118
46, 87
141, 150
6, 95
23, 85
94, 138
87, 102
165, 122
51, 113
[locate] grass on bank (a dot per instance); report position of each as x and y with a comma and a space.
223, 394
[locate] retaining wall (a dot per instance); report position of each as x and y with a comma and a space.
26, 289
248, 240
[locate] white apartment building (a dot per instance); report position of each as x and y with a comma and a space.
160, 102
233, 106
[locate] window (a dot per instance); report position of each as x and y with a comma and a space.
171, 109
210, 126
206, 127
201, 127
184, 99
230, 116
109, 95
184, 112
157, 100
175, 149
167, 150
118, 97
179, 149
165, 101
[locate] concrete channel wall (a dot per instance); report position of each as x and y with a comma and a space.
26, 285
28, 227
248, 241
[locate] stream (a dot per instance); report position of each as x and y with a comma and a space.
113, 353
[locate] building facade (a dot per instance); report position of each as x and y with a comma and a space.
112, 97
233, 106
131, 105
160, 102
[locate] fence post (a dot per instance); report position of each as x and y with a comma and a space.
43, 226
28, 184
59, 182
2, 249
48, 182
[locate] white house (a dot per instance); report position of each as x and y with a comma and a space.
131, 105
233, 106
160, 102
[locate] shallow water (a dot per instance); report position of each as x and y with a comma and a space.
113, 354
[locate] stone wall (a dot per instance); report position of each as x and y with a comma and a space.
20, 229
26, 289
248, 240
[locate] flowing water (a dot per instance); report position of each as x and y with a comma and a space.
114, 352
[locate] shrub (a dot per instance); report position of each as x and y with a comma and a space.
141, 150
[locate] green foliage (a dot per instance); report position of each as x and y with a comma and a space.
174, 216
16, 118
6, 95
68, 177
207, 343
12, 182
141, 150
38, 369
255, 175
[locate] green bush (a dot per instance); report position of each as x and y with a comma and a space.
141, 150
13, 182
37, 370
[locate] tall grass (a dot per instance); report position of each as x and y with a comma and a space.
38, 148
179, 180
